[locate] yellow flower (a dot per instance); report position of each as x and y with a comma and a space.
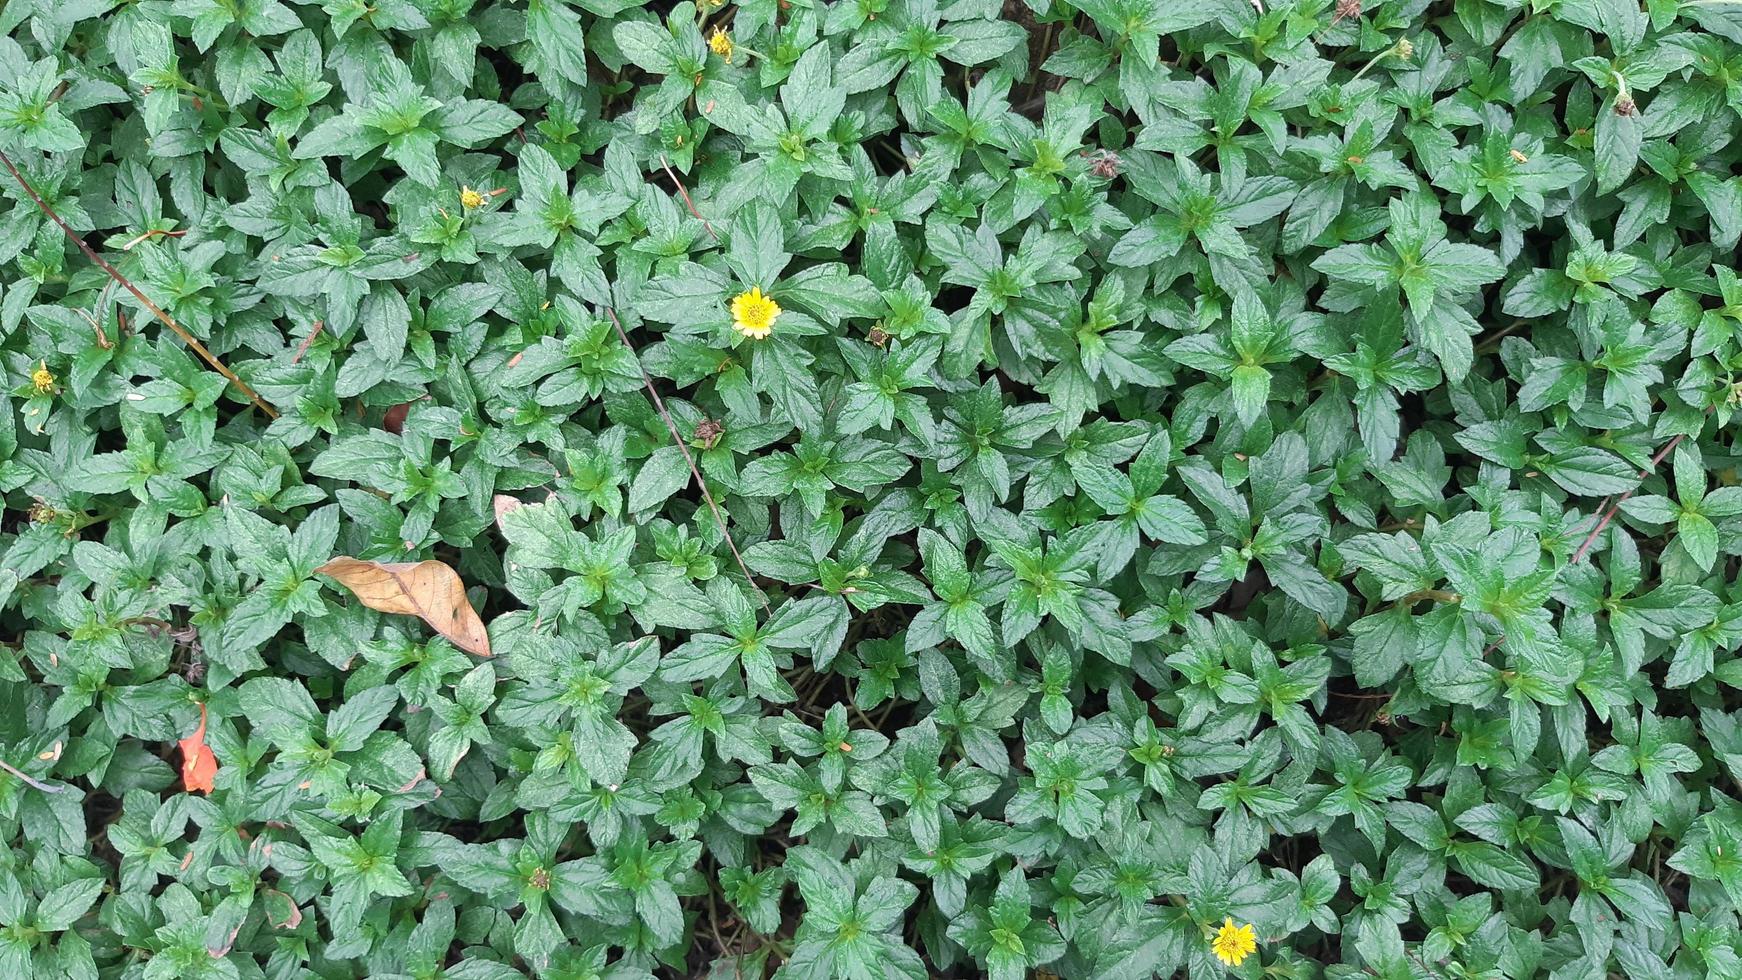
42, 379
1233, 943
753, 314
721, 44
470, 198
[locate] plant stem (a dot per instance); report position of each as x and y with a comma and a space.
125, 283
1388, 52
1613, 508
28, 781
683, 447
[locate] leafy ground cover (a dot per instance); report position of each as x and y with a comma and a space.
885, 488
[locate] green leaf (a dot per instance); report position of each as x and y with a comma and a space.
1215, 466
1249, 386
1617, 143
65, 905
1589, 472
664, 473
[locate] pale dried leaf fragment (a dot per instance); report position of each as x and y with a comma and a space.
223, 948
282, 911
429, 590
503, 503
422, 774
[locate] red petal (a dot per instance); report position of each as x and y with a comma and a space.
199, 765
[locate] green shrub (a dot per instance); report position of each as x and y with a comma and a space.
1217, 487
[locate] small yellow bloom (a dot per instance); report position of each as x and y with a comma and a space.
1233, 943
1405, 50
43, 380
721, 44
753, 314
470, 198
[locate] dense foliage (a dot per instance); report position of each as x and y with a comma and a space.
1228, 486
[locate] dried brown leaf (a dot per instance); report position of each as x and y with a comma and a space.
429, 590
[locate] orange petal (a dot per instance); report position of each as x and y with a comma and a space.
199, 765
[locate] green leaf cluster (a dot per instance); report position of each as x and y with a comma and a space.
1257, 460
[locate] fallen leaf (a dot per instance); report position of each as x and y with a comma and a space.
394, 420
429, 590
199, 766
503, 504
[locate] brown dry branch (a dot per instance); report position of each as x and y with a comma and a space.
1609, 510
665, 415
683, 447
153, 233
685, 194
125, 283
29, 781
302, 348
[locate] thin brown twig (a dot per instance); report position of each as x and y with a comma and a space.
678, 184
714, 919
1615, 508
1045, 46
647, 380
28, 781
302, 348
1489, 342
1596, 514
102, 338
737, 961
125, 283
101, 307
683, 447
151, 234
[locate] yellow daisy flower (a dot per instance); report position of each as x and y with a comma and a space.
721, 44
470, 199
43, 380
1233, 944
753, 314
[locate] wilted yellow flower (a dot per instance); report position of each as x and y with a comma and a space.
753, 314
1233, 943
470, 198
721, 44
43, 380
1405, 50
